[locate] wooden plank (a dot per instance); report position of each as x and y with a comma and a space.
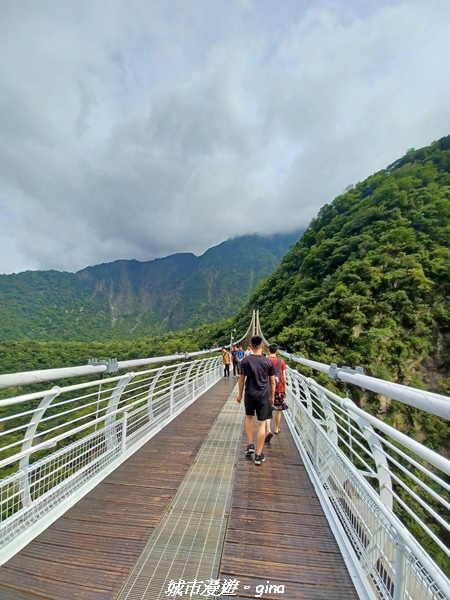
294, 539
14, 594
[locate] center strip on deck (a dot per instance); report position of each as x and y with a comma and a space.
187, 544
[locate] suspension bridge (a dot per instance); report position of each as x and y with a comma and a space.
127, 480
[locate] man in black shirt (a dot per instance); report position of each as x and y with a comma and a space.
258, 378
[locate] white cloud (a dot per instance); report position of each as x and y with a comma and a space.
149, 128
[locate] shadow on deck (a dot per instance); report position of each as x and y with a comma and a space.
278, 543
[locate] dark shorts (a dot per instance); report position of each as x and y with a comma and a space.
262, 408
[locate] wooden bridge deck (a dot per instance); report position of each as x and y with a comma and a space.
277, 533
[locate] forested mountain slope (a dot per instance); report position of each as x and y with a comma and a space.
127, 299
369, 281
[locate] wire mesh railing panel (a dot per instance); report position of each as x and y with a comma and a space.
374, 478
45, 483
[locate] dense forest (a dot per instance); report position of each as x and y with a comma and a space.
31, 355
368, 284
369, 281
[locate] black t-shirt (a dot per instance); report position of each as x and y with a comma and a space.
257, 369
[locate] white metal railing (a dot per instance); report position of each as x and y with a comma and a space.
436, 404
59, 443
94, 367
378, 487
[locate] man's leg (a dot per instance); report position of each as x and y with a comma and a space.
249, 428
260, 437
250, 450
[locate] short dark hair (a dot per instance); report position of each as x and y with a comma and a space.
273, 348
256, 341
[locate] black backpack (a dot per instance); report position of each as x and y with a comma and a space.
277, 372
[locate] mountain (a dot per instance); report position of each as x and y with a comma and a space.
368, 283
128, 299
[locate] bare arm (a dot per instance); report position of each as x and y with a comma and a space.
241, 388
273, 385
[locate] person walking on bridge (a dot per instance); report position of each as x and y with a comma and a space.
236, 363
280, 390
258, 378
226, 362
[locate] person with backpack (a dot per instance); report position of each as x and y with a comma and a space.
280, 389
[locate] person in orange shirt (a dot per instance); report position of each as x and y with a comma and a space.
226, 362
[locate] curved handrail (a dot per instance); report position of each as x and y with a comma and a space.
436, 404
95, 368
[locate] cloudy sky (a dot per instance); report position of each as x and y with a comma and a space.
141, 128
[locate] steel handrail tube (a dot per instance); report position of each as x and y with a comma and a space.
68, 388
40, 376
77, 386
414, 463
436, 404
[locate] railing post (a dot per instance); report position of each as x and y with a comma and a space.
188, 376
151, 391
383, 472
172, 386
124, 431
110, 435
330, 417
400, 570
28, 442
314, 447
306, 393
